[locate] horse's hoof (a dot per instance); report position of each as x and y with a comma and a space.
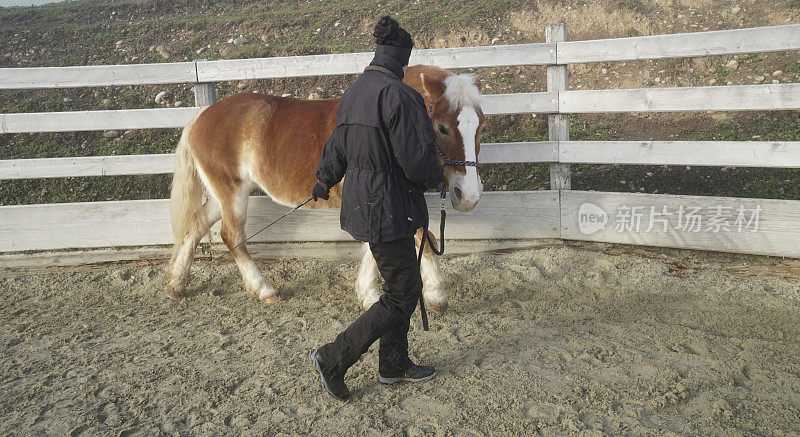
268, 294
175, 293
176, 296
437, 307
270, 299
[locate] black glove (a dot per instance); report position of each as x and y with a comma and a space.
416, 187
320, 191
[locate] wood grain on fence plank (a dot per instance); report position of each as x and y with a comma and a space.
97, 75
711, 98
146, 222
781, 154
536, 151
486, 56
178, 117
86, 166
765, 227
39, 168
354, 63
96, 120
520, 103
775, 154
721, 42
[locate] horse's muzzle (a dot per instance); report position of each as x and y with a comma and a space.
464, 200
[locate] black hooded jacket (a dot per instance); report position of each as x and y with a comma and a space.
383, 146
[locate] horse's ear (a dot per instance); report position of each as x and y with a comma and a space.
430, 87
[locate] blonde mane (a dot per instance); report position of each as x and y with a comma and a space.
461, 91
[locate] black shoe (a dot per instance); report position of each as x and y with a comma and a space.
334, 384
414, 373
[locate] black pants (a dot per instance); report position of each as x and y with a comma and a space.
388, 319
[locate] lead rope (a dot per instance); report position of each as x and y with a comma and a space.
425, 236
211, 261
442, 219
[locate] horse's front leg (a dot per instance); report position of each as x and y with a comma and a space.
368, 292
432, 280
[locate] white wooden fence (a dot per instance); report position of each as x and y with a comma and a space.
757, 226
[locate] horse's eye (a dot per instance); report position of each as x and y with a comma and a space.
442, 129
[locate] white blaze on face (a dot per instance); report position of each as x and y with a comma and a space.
470, 185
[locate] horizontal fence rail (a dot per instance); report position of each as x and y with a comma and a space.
73, 121
718, 42
507, 153
774, 154
266, 68
87, 166
710, 98
97, 75
147, 222
160, 118
353, 63
40, 168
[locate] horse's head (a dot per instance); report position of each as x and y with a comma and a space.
454, 105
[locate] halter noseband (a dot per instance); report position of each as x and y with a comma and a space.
446, 160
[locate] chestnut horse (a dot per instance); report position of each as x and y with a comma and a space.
249, 140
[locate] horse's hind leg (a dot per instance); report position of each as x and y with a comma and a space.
432, 280
367, 290
183, 254
234, 216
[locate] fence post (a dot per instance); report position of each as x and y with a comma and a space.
558, 124
205, 94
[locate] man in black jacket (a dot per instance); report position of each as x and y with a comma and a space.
384, 144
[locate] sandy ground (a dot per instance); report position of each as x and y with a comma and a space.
571, 339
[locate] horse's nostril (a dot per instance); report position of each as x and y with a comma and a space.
457, 193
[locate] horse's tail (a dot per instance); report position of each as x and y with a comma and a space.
186, 195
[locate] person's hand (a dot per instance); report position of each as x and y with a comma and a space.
417, 187
320, 191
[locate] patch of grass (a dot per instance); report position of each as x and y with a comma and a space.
771, 126
750, 58
515, 129
721, 74
515, 177
581, 130
632, 33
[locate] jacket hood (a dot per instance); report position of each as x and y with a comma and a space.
391, 57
